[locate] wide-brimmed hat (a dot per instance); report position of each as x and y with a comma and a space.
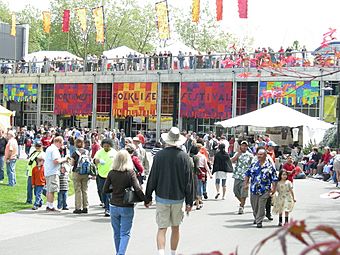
173, 137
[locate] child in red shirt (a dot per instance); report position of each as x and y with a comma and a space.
38, 181
289, 167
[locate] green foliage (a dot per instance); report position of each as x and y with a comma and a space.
307, 149
208, 34
5, 15
329, 138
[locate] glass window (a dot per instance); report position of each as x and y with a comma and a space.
168, 98
47, 97
30, 119
104, 95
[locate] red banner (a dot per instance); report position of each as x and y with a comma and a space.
73, 99
66, 21
208, 100
243, 9
219, 9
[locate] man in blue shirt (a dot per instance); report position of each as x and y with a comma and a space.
263, 184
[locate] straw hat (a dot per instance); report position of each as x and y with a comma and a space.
173, 137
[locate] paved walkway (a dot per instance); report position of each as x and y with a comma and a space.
215, 227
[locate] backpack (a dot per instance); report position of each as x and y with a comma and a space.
84, 165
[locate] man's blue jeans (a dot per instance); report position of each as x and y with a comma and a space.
121, 221
2, 174
10, 167
38, 190
105, 197
29, 190
62, 199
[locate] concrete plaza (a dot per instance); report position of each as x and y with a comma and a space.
216, 227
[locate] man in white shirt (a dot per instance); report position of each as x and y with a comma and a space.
52, 165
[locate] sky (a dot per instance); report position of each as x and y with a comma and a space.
272, 23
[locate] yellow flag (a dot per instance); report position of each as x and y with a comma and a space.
81, 14
14, 24
98, 16
162, 20
329, 113
196, 10
47, 21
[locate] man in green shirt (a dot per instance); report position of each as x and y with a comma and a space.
104, 160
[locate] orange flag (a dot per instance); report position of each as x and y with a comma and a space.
195, 10
47, 21
98, 16
81, 14
219, 9
13, 27
162, 20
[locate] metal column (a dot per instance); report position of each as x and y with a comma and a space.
159, 107
179, 102
39, 102
234, 101
94, 103
322, 96
112, 118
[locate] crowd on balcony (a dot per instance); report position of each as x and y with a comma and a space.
165, 60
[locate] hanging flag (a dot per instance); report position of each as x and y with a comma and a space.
163, 20
329, 113
14, 25
81, 14
47, 21
243, 9
66, 21
196, 10
98, 16
219, 9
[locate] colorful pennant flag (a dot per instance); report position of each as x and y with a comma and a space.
14, 25
329, 114
219, 9
98, 16
163, 20
243, 9
196, 10
47, 21
81, 14
66, 21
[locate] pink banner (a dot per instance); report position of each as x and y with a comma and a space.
243, 9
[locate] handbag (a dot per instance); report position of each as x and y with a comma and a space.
131, 197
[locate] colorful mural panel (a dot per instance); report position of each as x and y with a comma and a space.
289, 93
134, 99
73, 99
209, 100
21, 92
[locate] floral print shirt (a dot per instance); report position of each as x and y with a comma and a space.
261, 177
242, 165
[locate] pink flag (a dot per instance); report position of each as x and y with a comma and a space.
243, 9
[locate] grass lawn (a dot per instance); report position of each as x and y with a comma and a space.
13, 198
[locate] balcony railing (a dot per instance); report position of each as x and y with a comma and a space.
169, 62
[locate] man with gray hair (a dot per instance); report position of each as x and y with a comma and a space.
171, 179
263, 184
11, 155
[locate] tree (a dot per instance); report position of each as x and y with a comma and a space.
5, 14
208, 34
296, 45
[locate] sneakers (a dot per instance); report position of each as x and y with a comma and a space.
85, 210
280, 224
259, 225
34, 208
107, 213
65, 209
51, 209
217, 195
205, 195
77, 211
240, 210
269, 217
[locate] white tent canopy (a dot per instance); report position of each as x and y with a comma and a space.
122, 51
5, 118
40, 55
175, 47
278, 115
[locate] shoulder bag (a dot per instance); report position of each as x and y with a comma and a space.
130, 196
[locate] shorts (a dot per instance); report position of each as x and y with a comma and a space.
169, 215
52, 183
239, 190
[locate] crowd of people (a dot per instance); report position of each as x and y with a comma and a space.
165, 60
182, 165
